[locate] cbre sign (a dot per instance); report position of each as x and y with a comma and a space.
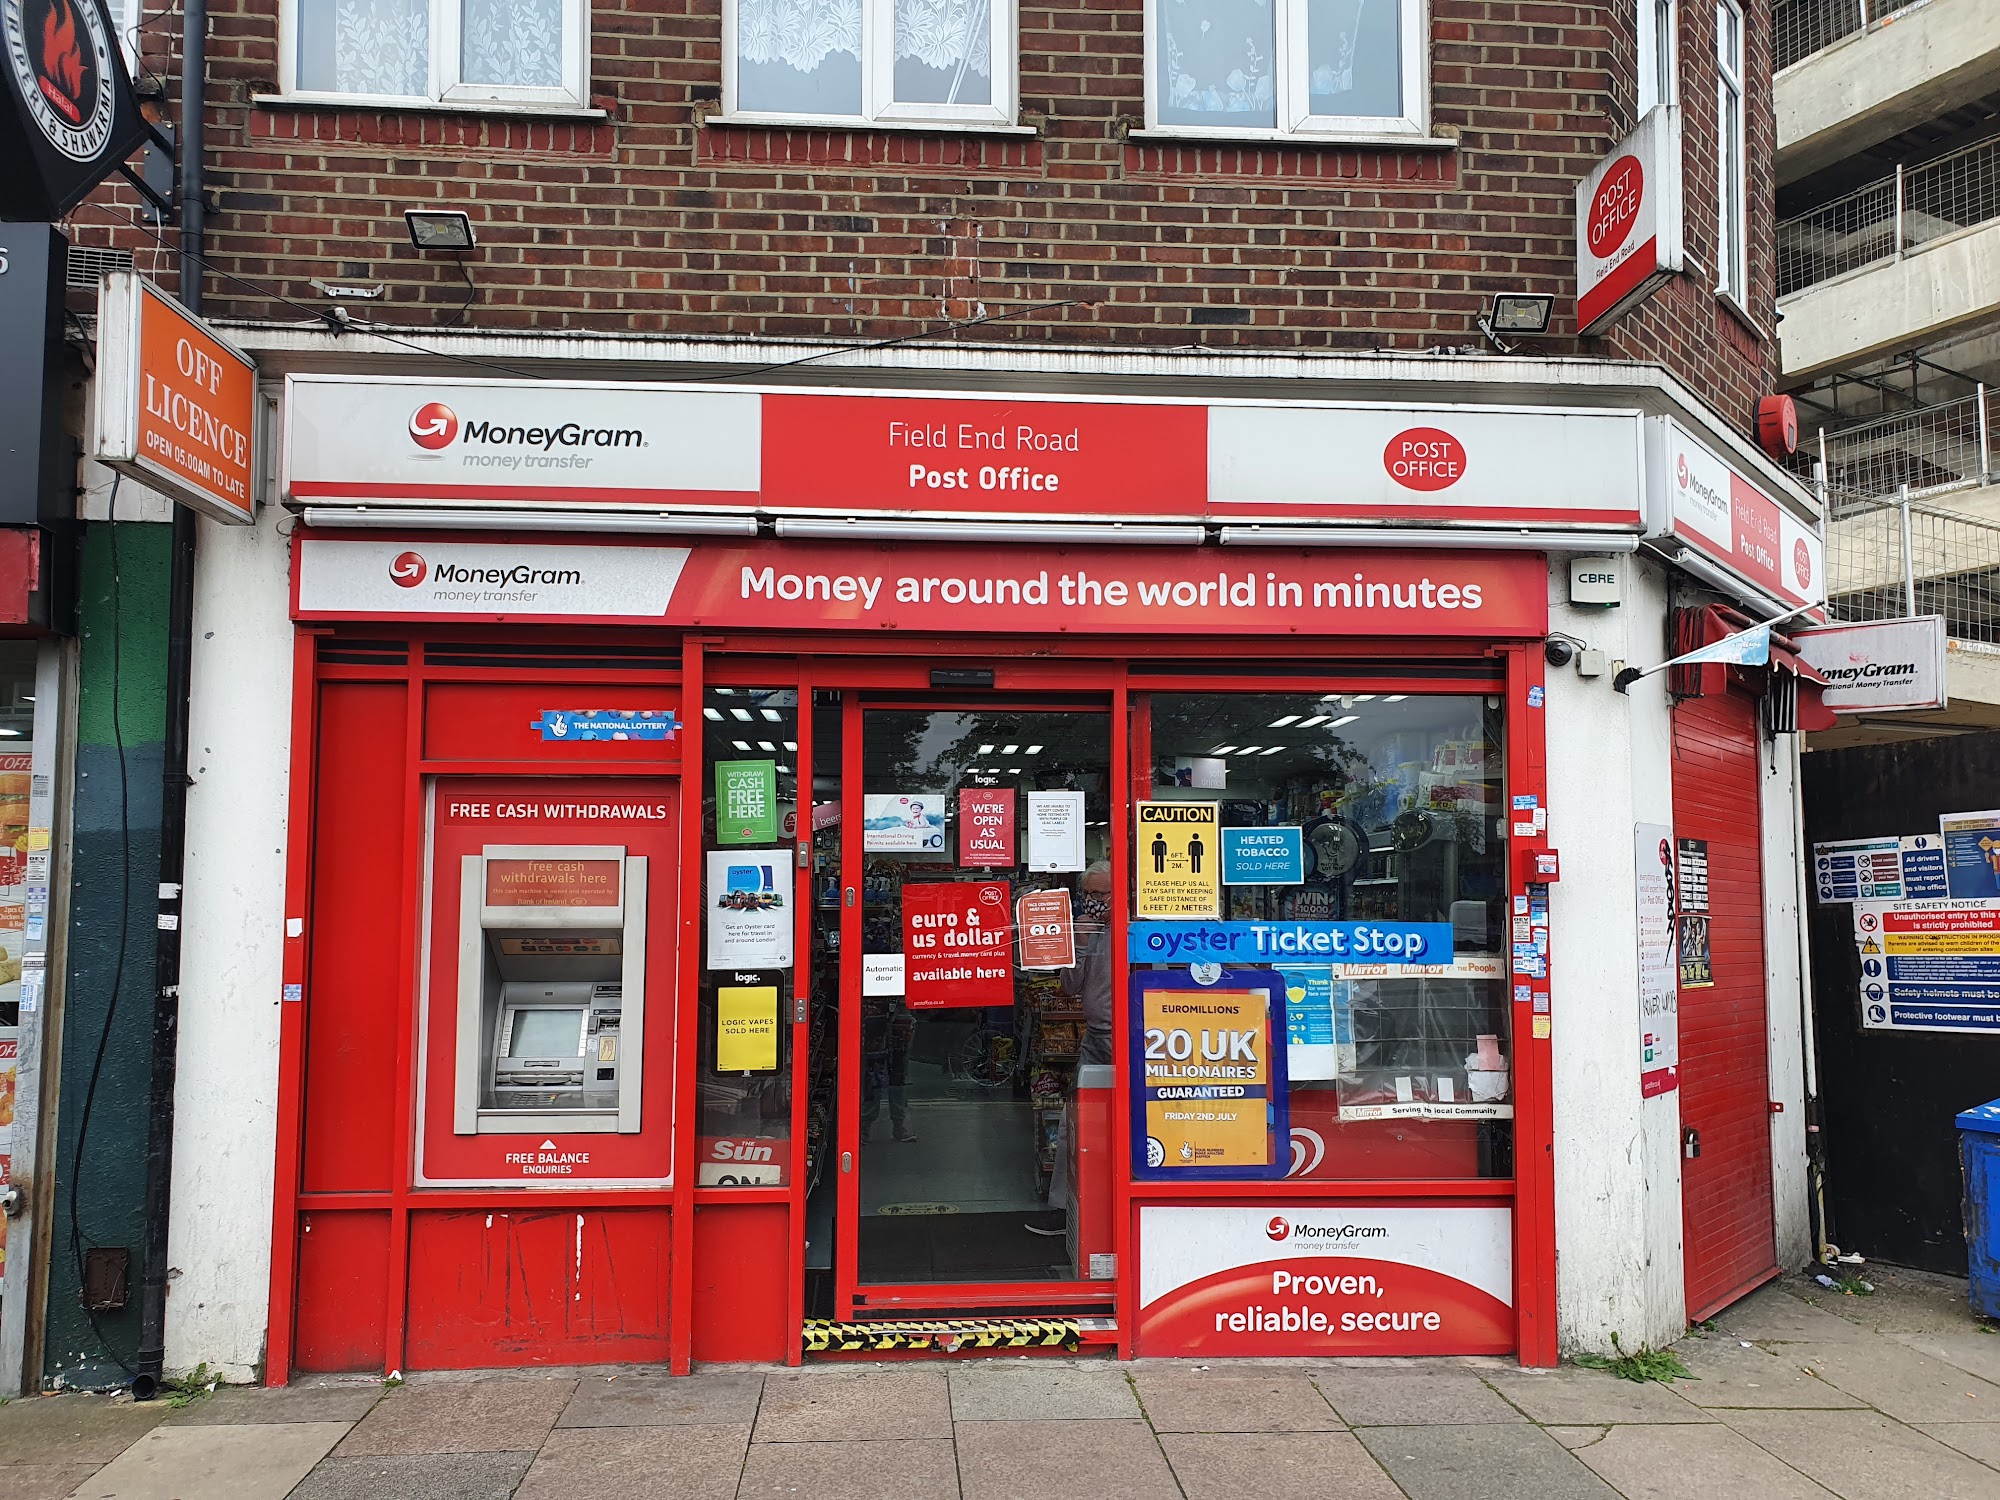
1628, 221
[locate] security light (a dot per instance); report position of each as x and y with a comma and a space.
1343, 719
1520, 312
439, 229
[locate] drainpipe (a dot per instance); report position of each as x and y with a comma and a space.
174, 780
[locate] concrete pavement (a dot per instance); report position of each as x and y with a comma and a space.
1799, 1393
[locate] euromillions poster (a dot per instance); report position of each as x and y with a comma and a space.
1208, 1079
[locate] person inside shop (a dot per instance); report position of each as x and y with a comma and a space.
1089, 982
886, 1031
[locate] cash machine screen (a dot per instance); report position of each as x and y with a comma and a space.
539, 1031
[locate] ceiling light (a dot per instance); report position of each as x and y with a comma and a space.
1343, 719
1223, 750
793, 746
1288, 719
1250, 750
741, 713
1032, 750
1273, 750
772, 714
439, 229
741, 744
1314, 720
1009, 749
985, 749
1013, 770
1364, 697
12, 734
1395, 697
712, 713
766, 745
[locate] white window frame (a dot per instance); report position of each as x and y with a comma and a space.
879, 106
1293, 78
1659, 53
446, 89
1732, 236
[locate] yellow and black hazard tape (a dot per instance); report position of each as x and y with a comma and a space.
823, 1336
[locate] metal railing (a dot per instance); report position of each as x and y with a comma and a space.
1802, 27
1889, 560
1928, 451
1887, 219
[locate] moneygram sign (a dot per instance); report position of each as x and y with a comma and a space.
434, 426
479, 580
1885, 666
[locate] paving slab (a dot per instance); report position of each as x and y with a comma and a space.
233, 1405
898, 1469
488, 1414
1862, 1455
1732, 1372
1972, 1348
1773, 1315
1036, 1391
1909, 1386
73, 1429
653, 1398
259, 1461
1410, 1397
1063, 1461
1572, 1396
421, 1476
1980, 1440
854, 1405
1276, 1466
1658, 1461
1489, 1460
42, 1481
687, 1462
1232, 1397
1577, 1437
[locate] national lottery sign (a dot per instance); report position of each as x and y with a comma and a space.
1286, 1279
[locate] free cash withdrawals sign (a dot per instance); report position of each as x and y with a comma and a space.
746, 801
1929, 965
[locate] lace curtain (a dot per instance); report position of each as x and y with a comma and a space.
365, 47
1218, 59
514, 42
952, 37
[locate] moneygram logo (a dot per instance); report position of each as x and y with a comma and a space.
1681, 469
409, 569
1334, 1234
1278, 1229
433, 425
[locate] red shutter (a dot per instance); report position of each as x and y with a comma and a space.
1726, 1207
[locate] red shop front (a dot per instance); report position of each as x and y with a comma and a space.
748, 949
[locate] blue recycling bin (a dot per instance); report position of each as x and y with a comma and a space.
1979, 1158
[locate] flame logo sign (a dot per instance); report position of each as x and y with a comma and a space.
433, 425
60, 75
59, 55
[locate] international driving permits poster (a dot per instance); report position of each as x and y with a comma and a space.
1178, 860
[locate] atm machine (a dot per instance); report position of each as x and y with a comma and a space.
551, 992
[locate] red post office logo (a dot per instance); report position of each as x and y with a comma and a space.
1425, 458
1614, 209
409, 569
433, 425
1802, 563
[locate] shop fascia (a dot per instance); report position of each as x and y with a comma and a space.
885, 465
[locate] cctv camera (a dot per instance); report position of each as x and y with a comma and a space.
1558, 652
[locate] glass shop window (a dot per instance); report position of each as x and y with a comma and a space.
1395, 1071
749, 791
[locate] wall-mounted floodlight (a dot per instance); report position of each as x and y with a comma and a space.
439, 229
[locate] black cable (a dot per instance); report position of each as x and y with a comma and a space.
124, 924
324, 315
471, 294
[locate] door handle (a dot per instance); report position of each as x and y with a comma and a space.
847, 1161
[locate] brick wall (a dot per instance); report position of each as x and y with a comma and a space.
656, 222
